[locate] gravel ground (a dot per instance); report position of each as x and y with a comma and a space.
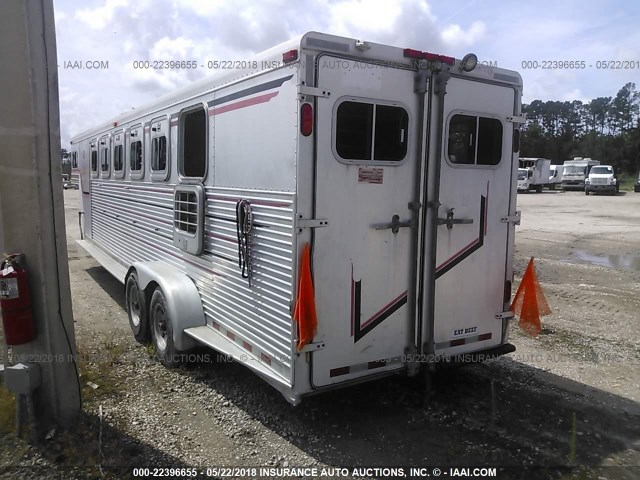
569, 397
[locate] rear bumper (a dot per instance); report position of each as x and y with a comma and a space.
475, 357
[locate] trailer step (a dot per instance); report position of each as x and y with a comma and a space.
216, 340
104, 259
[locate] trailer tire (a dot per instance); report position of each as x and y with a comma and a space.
552, 186
137, 309
162, 330
539, 189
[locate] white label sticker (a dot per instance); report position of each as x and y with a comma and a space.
463, 332
9, 288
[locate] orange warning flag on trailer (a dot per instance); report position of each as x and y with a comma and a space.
529, 304
305, 312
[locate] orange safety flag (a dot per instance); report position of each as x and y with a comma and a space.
305, 312
529, 303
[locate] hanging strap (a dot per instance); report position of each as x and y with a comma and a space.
244, 224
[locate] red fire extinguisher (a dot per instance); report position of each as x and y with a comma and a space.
15, 301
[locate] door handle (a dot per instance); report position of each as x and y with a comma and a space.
450, 221
395, 224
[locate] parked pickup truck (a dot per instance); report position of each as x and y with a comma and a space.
602, 178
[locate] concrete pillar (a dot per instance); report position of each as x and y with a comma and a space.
31, 198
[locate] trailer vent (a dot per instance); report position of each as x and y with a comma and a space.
188, 206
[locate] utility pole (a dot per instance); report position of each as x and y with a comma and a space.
32, 207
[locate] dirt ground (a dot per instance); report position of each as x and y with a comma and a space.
567, 398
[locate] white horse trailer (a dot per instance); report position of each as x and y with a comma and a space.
396, 166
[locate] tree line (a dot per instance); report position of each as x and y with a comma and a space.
605, 129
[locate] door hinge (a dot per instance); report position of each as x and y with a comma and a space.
516, 118
312, 347
505, 315
311, 223
313, 91
512, 218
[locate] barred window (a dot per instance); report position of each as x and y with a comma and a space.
186, 212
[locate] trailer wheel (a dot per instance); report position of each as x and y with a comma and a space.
539, 189
137, 309
552, 186
162, 330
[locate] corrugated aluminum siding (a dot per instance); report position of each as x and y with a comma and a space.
133, 221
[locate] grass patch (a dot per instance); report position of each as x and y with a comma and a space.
7, 411
627, 182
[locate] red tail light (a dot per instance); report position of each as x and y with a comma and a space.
290, 56
306, 119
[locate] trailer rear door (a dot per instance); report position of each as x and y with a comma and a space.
366, 168
475, 194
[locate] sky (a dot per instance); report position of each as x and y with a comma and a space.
513, 34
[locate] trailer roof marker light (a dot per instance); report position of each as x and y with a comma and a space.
306, 119
290, 56
469, 62
411, 53
435, 57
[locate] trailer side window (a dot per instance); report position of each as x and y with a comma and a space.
193, 143
118, 163
94, 161
474, 140
135, 157
371, 132
104, 160
159, 154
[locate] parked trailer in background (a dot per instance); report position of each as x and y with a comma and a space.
329, 155
575, 172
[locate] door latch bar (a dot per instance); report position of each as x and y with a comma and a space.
450, 221
395, 224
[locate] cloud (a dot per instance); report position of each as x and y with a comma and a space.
454, 36
98, 18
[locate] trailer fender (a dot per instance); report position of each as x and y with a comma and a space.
181, 294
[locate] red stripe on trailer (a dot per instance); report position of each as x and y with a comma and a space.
247, 346
264, 203
242, 104
376, 364
484, 336
457, 255
458, 342
336, 372
216, 325
266, 359
231, 335
383, 309
222, 237
486, 210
